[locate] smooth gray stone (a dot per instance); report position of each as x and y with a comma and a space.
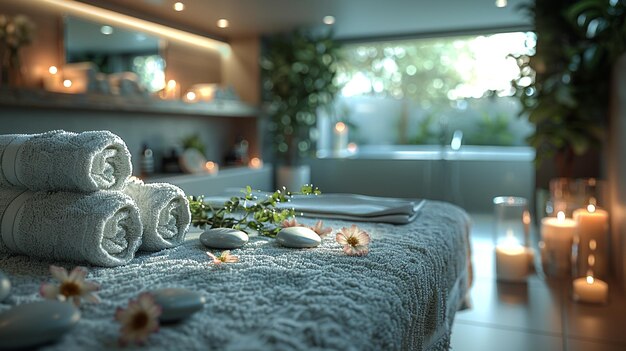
298, 237
177, 303
36, 323
5, 286
223, 238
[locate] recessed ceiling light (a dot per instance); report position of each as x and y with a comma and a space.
501, 3
222, 23
328, 20
106, 30
179, 6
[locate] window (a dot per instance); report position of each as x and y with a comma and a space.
421, 91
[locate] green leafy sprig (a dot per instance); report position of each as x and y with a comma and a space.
247, 211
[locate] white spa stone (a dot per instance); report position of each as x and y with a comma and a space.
36, 323
177, 303
5, 286
298, 237
223, 238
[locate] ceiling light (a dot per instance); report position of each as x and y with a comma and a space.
100, 14
179, 6
328, 20
106, 30
501, 3
222, 23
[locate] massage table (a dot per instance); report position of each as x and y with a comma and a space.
402, 296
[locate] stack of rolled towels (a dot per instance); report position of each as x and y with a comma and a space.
70, 197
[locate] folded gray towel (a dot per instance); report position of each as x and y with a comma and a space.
59, 160
164, 212
101, 228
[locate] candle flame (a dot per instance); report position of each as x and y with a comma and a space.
191, 96
171, 84
67, 83
53, 69
560, 216
591, 208
340, 127
352, 147
589, 279
210, 166
255, 163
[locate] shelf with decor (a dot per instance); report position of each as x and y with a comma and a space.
37, 98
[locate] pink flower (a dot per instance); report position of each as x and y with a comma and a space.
320, 230
291, 223
225, 257
354, 240
73, 286
139, 319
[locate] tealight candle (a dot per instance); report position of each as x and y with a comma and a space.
592, 233
590, 289
557, 235
511, 260
255, 163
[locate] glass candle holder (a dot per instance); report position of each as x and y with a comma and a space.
557, 235
512, 238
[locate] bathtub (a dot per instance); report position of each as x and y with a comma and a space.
469, 177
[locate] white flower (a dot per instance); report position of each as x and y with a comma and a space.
139, 319
354, 240
73, 286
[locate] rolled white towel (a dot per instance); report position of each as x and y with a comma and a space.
101, 228
164, 212
59, 160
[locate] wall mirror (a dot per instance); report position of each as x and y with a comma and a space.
114, 49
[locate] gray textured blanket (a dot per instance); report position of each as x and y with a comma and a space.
402, 296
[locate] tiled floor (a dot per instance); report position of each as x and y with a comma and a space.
536, 316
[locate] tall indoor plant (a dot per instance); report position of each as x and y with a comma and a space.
299, 71
578, 43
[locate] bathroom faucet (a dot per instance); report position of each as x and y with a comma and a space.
457, 138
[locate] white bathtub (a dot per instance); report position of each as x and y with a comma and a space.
469, 177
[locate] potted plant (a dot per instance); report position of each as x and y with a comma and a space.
299, 79
578, 42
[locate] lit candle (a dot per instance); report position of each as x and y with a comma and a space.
592, 232
590, 289
255, 163
341, 137
190, 96
212, 167
171, 90
511, 259
557, 235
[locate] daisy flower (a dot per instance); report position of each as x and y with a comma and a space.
225, 257
290, 223
73, 286
139, 319
354, 240
320, 230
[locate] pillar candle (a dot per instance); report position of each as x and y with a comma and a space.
590, 289
557, 234
511, 260
592, 236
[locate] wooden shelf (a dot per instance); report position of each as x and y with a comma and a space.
33, 98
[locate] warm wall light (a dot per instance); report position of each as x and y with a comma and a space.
222, 23
501, 3
179, 6
53, 70
328, 20
108, 16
